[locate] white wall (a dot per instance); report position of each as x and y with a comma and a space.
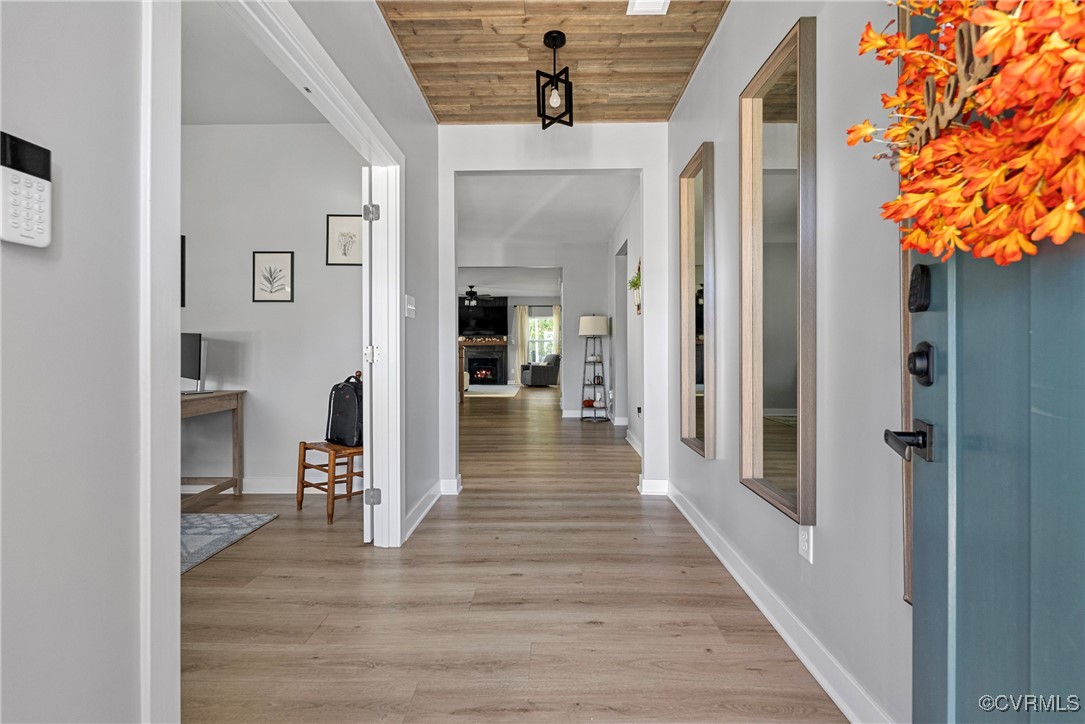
583, 291
70, 353
593, 147
249, 188
630, 234
358, 40
844, 615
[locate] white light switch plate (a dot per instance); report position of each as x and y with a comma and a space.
806, 543
409, 306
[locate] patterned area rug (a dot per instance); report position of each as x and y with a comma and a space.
205, 534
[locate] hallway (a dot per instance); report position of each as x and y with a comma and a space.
548, 591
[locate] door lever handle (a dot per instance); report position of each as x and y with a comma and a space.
921, 441
903, 442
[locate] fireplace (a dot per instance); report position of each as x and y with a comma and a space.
487, 366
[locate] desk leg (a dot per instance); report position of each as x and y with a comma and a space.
239, 444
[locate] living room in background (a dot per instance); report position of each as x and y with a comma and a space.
542, 339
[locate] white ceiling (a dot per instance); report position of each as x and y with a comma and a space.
505, 281
533, 208
225, 78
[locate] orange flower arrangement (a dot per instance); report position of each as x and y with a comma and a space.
992, 160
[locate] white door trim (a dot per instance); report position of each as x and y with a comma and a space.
280, 33
159, 352
278, 30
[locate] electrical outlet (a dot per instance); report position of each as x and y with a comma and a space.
806, 543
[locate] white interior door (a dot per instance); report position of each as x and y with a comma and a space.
365, 363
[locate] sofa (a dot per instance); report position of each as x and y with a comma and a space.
541, 375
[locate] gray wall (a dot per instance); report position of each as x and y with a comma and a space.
358, 40
780, 325
268, 188
630, 234
850, 599
68, 350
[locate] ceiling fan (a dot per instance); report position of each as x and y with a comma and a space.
471, 297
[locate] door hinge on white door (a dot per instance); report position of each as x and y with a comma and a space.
371, 212
372, 354
372, 496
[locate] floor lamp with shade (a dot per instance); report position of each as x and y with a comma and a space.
594, 403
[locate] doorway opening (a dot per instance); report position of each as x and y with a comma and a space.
282, 37
537, 259
273, 198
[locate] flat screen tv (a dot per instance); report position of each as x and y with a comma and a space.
489, 318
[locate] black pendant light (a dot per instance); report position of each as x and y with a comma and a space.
554, 91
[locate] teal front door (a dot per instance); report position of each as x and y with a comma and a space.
998, 582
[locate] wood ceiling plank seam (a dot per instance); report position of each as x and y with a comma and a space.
696, 63
440, 9
407, 60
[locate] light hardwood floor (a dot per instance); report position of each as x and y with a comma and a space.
549, 591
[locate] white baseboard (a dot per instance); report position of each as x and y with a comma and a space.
620, 421
571, 413
854, 701
653, 487
255, 486
421, 508
634, 442
780, 412
451, 486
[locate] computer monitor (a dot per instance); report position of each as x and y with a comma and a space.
193, 359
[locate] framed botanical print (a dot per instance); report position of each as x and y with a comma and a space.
273, 276
345, 240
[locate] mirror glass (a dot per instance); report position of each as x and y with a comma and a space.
695, 238
779, 277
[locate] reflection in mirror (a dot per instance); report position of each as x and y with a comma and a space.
695, 238
778, 272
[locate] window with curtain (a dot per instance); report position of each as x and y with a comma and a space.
540, 338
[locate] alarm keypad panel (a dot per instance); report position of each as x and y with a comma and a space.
26, 192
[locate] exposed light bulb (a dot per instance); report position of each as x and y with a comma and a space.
555, 99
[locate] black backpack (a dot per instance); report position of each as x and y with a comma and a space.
345, 412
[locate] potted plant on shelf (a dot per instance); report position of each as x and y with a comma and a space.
634, 286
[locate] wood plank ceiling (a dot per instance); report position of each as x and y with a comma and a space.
475, 61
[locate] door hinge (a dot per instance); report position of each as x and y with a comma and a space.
372, 354
372, 496
371, 212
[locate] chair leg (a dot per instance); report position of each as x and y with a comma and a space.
350, 475
301, 473
331, 486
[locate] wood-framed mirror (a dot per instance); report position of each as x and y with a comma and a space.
779, 277
696, 225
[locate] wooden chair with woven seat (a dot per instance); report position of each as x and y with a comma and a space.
337, 455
